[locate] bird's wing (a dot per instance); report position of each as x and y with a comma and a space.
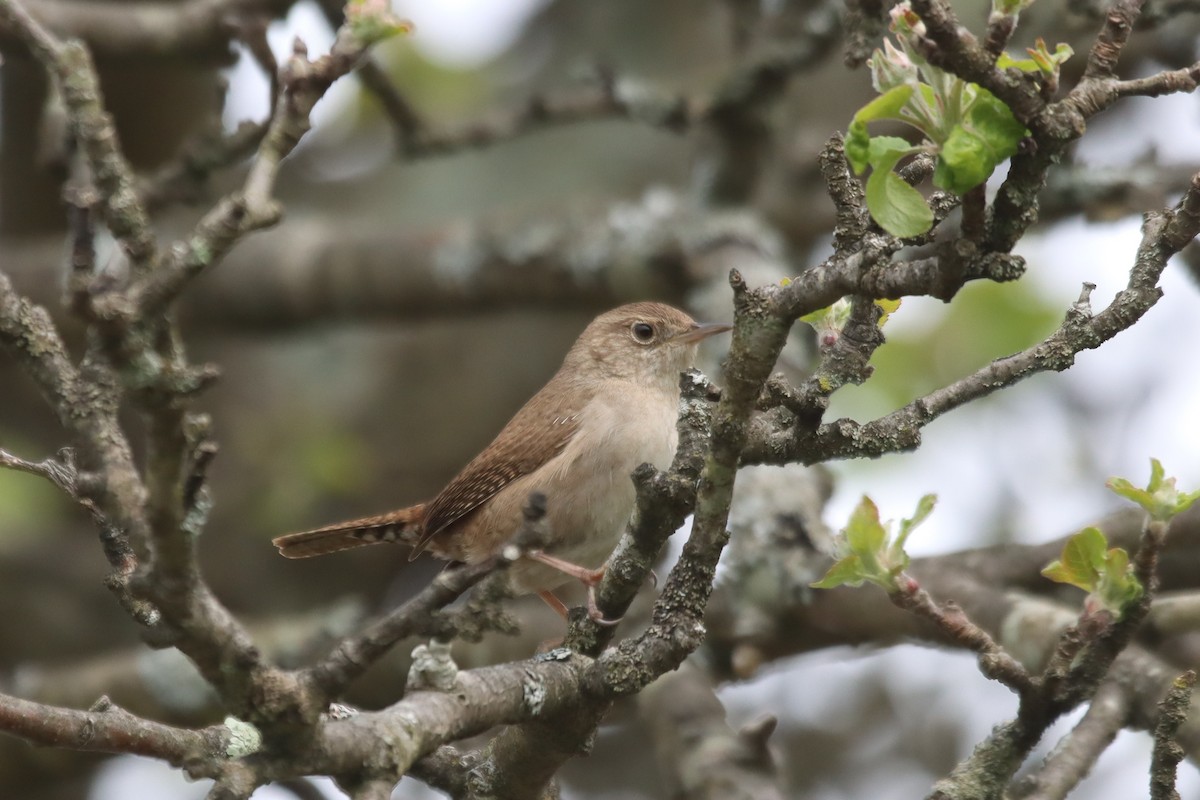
539, 432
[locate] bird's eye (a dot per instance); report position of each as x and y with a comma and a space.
642, 332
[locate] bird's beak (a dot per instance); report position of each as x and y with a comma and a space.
702, 331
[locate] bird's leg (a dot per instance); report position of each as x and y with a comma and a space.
551, 599
589, 577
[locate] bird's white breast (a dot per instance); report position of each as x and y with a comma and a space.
590, 494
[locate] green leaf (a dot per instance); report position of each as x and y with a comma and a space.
1092, 545
924, 509
858, 139
865, 534
845, 572
1081, 561
1157, 474
1104, 573
885, 151
995, 123
1117, 560
1127, 490
964, 162
1058, 572
898, 208
886, 106
987, 135
1118, 588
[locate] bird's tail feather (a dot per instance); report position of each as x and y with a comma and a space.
396, 526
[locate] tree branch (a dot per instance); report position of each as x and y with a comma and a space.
70, 64
1164, 234
1074, 756
1173, 710
107, 728
195, 29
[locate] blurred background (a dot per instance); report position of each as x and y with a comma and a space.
331, 405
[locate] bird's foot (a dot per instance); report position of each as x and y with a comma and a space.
589, 577
596, 614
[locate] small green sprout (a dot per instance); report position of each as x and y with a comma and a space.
1040, 59
866, 550
829, 321
1009, 8
1160, 499
1104, 573
372, 21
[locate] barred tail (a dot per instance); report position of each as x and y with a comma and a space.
397, 526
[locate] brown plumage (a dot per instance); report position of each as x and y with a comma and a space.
395, 526
610, 407
539, 432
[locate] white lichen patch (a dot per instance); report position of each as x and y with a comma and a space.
340, 711
533, 691
244, 738
432, 667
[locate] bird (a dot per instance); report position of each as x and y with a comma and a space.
609, 408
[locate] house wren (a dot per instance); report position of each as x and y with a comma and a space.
611, 407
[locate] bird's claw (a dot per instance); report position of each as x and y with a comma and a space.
594, 612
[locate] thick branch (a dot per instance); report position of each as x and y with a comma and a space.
196, 29
109, 729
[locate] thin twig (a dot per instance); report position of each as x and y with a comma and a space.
1173, 711
994, 662
1079, 750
